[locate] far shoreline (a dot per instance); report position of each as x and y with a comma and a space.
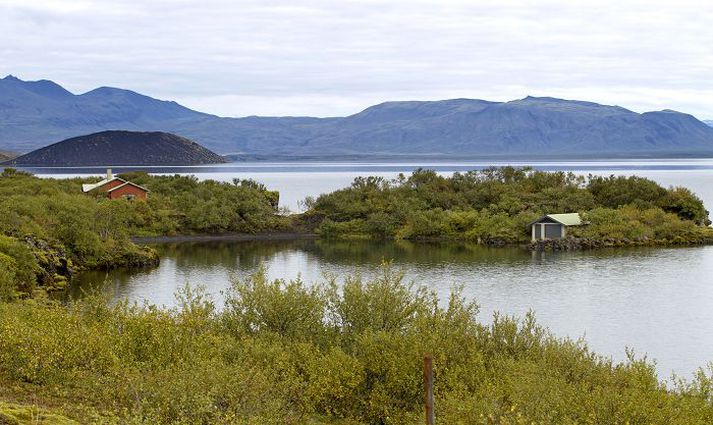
494, 159
553, 245
226, 237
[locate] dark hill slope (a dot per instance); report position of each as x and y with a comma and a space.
33, 114
36, 113
120, 148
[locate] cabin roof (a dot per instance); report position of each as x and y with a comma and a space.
91, 186
569, 219
128, 183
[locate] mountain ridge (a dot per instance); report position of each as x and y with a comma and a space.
33, 114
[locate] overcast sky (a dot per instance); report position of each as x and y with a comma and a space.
336, 57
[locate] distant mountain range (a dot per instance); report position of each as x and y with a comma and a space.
34, 114
709, 122
120, 148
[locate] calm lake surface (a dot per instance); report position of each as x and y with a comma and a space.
657, 301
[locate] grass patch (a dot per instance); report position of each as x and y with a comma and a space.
16, 414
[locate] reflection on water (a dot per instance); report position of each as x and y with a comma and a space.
657, 301
213, 264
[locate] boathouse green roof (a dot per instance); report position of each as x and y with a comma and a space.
569, 219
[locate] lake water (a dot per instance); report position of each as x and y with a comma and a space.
295, 181
657, 301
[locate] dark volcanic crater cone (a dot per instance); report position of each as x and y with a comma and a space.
120, 148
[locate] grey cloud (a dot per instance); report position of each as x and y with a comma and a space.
325, 58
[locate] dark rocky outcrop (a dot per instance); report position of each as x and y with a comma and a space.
568, 244
138, 257
55, 266
582, 243
120, 148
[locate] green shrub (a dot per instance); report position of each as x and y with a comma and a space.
8, 272
19, 265
385, 303
287, 308
494, 206
617, 191
686, 205
629, 223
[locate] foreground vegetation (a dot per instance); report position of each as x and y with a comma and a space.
49, 230
494, 206
285, 352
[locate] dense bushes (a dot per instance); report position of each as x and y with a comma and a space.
18, 268
641, 225
286, 352
182, 204
8, 272
494, 206
51, 229
176, 204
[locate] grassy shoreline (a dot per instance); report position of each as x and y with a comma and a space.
565, 244
237, 237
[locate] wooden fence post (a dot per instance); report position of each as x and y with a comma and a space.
428, 388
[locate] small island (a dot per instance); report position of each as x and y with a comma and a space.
497, 207
120, 148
